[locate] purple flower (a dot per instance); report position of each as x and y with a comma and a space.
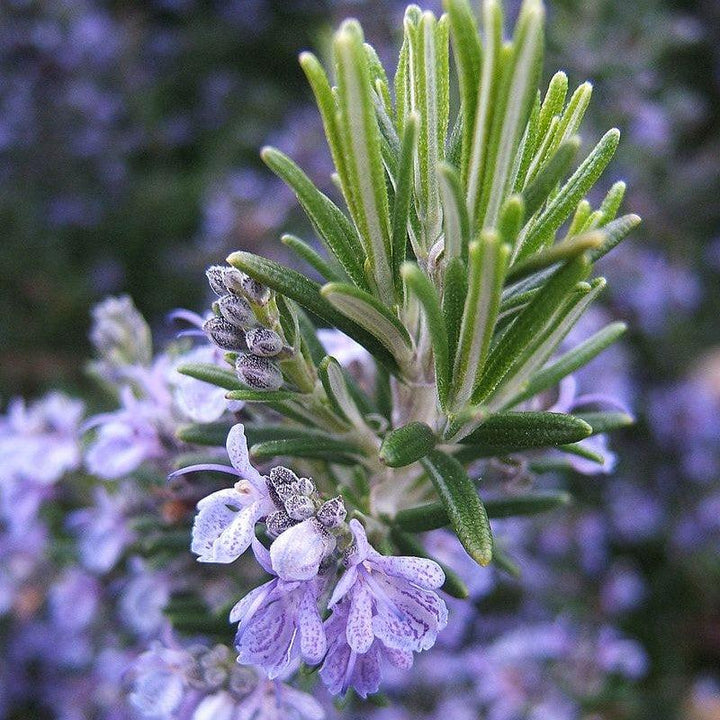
126, 438
225, 524
345, 668
160, 678
103, 530
279, 622
40, 442
197, 400
390, 598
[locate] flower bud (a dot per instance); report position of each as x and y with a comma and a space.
282, 482
258, 373
238, 283
216, 278
237, 311
299, 507
263, 341
305, 486
278, 522
224, 334
332, 513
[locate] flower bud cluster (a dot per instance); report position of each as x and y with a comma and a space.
297, 500
235, 328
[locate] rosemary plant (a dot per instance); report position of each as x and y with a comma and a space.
460, 259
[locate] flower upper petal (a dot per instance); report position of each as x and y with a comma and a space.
237, 450
297, 553
359, 625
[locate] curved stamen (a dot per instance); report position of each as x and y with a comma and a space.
215, 467
349, 671
188, 316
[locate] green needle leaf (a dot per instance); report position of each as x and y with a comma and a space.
523, 336
614, 232
322, 447
540, 188
266, 396
360, 137
558, 253
571, 193
209, 373
304, 251
328, 220
407, 444
425, 292
509, 432
487, 262
602, 422
463, 506
572, 360
363, 309
214, 434
467, 50
453, 303
337, 391
403, 191
455, 217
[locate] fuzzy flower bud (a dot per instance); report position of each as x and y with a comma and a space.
216, 279
299, 507
263, 341
225, 335
282, 482
305, 486
332, 513
258, 373
238, 283
237, 311
278, 522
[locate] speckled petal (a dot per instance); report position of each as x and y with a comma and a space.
313, 643
333, 669
343, 586
402, 659
366, 676
363, 547
243, 610
266, 640
422, 615
359, 631
262, 555
237, 450
421, 571
213, 518
236, 539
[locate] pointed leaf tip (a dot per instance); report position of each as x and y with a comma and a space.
463, 505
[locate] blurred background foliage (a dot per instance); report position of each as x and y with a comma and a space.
129, 137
